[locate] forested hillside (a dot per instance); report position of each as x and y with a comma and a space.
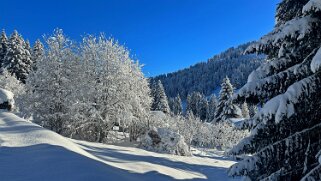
204, 77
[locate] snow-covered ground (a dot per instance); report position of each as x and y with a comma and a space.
30, 152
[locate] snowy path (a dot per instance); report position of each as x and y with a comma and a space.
29, 152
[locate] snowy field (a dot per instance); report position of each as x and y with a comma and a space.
30, 152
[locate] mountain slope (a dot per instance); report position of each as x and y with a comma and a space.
205, 77
30, 152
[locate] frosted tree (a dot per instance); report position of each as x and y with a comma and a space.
112, 89
17, 59
198, 105
285, 139
48, 88
11, 83
212, 104
225, 108
3, 46
27, 46
160, 102
189, 128
252, 110
245, 110
176, 105
37, 51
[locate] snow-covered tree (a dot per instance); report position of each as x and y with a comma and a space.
48, 88
189, 128
3, 46
225, 108
176, 105
27, 46
285, 139
37, 51
83, 91
198, 105
212, 107
245, 110
252, 110
160, 102
17, 59
11, 83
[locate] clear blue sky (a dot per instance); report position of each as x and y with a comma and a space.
165, 35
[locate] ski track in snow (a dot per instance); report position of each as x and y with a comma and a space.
30, 152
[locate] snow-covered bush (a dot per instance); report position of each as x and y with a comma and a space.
6, 100
164, 140
222, 135
11, 83
218, 135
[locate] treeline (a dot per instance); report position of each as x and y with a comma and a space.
207, 109
206, 76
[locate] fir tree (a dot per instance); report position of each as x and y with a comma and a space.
198, 105
160, 102
37, 52
245, 110
225, 108
212, 104
285, 141
17, 59
3, 47
252, 110
176, 107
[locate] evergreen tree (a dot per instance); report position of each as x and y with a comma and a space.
37, 52
212, 104
176, 105
27, 46
17, 59
198, 105
160, 102
3, 47
252, 110
225, 107
245, 110
285, 142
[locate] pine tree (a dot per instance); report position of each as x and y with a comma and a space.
37, 52
245, 110
198, 105
252, 110
225, 108
17, 59
285, 142
160, 102
3, 47
212, 104
176, 105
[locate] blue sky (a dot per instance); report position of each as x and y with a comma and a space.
165, 35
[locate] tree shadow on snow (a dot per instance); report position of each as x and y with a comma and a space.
55, 163
113, 155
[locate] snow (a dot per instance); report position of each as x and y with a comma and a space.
296, 28
30, 152
164, 140
316, 62
6, 96
314, 5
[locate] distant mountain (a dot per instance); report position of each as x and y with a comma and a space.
205, 77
